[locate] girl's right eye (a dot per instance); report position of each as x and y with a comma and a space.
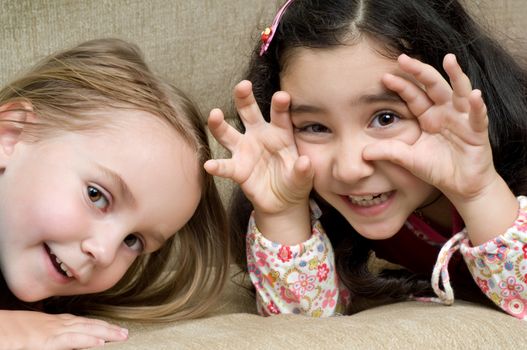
313, 128
97, 197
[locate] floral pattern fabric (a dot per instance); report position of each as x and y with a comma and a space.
302, 279
299, 279
499, 266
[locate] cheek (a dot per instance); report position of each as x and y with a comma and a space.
44, 205
403, 179
319, 160
58, 216
317, 154
108, 277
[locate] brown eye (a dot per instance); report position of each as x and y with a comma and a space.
384, 119
94, 194
97, 197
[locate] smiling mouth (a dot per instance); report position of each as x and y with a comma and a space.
58, 264
371, 199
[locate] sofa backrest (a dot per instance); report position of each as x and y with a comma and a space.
200, 45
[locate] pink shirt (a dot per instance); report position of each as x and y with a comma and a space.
302, 278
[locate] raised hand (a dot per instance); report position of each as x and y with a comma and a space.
36, 330
453, 152
264, 160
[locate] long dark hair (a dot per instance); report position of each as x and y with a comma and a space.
425, 29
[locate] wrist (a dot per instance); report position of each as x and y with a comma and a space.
489, 214
289, 226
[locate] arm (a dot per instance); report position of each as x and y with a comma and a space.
454, 123
37, 330
499, 266
266, 165
299, 279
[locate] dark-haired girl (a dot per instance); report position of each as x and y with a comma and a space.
389, 127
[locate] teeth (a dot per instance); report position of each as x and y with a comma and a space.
63, 267
369, 200
362, 198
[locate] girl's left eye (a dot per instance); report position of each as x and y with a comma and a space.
314, 128
384, 119
134, 243
97, 197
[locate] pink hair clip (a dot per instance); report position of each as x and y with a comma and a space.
268, 33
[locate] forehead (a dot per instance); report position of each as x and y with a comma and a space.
359, 58
135, 130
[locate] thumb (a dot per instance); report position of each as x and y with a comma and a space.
394, 151
221, 167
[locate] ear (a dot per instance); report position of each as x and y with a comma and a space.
13, 116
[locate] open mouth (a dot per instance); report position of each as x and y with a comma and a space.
58, 264
371, 199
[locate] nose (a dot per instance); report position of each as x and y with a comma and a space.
348, 164
102, 245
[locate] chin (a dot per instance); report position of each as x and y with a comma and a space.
377, 236
28, 297
377, 231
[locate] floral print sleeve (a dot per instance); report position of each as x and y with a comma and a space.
297, 279
498, 266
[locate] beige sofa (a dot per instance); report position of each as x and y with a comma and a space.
201, 45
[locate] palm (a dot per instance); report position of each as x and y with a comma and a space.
263, 160
447, 160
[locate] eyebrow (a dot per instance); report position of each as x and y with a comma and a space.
122, 187
383, 96
302, 108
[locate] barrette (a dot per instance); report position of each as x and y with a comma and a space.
268, 33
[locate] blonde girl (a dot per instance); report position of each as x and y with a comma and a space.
105, 209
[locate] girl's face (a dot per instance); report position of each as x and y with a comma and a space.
78, 208
339, 106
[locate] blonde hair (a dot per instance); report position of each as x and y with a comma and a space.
184, 278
